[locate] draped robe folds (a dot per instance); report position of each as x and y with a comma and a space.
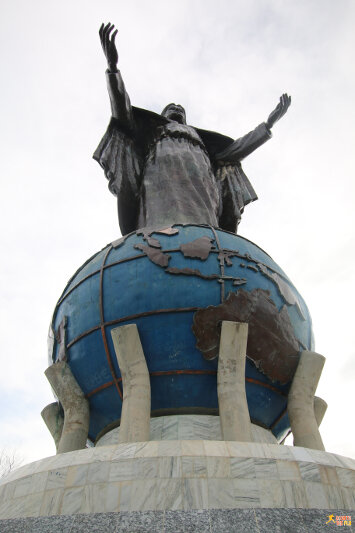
165, 173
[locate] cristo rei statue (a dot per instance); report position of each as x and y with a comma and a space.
165, 172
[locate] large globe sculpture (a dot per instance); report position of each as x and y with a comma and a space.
177, 284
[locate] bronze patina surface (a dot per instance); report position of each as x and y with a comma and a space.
164, 171
272, 344
199, 248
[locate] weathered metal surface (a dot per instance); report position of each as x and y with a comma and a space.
128, 318
221, 263
280, 417
164, 317
102, 326
167, 231
119, 242
101, 387
283, 288
187, 371
240, 281
146, 234
154, 254
83, 335
265, 385
191, 272
224, 257
272, 345
199, 248
61, 338
190, 372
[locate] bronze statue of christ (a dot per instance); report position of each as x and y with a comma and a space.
166, 172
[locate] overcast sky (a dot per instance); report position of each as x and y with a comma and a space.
227, 62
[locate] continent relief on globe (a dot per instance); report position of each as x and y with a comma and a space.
272, 344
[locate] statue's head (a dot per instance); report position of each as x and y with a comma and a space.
175, 112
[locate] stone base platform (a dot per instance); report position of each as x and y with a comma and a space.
181, 475
193, 521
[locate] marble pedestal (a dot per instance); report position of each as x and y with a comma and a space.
186, 475
201, 484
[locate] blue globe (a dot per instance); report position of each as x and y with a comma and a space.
177, 284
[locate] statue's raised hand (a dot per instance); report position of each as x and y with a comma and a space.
108, 45
279, 111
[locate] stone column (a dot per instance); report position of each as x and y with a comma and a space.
301, 409
76, 407
54, 421
135, 414
320, 407
232, 399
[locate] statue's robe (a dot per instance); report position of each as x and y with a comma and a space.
165, 173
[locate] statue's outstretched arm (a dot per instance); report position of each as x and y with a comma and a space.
279, 111
242, 147
245, 145
120, 103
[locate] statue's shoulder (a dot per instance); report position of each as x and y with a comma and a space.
143, 129
214, 142
147, 123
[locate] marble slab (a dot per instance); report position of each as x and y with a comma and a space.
187, 427
179, 475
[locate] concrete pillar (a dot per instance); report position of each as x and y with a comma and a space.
320, 407
301, 409
232, 399
75, 406
135, 415
54, 420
